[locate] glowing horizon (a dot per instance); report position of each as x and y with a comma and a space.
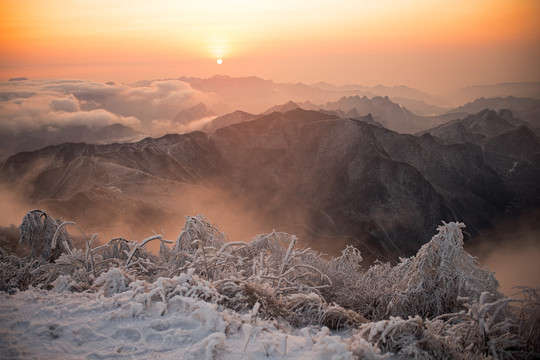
435, 46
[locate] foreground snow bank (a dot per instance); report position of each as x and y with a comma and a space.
167, 319
206, 297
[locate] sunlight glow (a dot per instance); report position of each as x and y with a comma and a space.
104, 35
217, 46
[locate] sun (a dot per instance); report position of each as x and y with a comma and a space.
219, 61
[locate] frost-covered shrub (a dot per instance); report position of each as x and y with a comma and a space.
432, 281
436, 304
117, 248
488, 328
427, 284
197, 230
15, 273
62, 283
311, 309
528, 318
111, 282
412, 338
363, 349
186, 284
44, 235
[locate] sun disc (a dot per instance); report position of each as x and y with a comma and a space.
219, 61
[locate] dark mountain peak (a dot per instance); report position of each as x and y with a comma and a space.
475, 127
308, 115
308, 105
289, 105
237, 114
487, 115
486, 112
242, 113
430, 139
196, 112
199, 106
235, 117
484, 115
487, 123
386, 100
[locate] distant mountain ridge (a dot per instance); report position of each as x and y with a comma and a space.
391, 115
420, 102
330, 180
475, 127
42, 136
193, 113
288, 106
509, 145
378, 110
527, 109
256, 93
235, 117
517, 89
399, 92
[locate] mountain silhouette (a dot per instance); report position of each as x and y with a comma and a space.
332, 181
193, 113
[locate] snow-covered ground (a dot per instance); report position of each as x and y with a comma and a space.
39, 324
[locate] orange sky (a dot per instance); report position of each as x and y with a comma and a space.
434, 45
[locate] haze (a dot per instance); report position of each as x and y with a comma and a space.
436, 46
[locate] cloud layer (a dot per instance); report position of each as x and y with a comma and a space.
29, 104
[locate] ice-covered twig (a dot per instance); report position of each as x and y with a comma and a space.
144, 242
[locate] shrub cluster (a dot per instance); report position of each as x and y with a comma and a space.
436, 304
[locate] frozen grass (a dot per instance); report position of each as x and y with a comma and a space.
269, 298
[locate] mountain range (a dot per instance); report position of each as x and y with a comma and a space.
41, 136
381, 110
501, 90
331, 180
259, 92
37, 112
527, 109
